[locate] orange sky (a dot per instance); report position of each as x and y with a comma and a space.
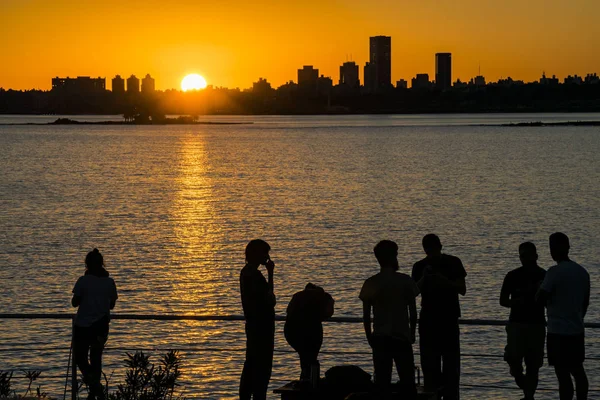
234, 42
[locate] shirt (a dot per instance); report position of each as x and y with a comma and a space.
257, 301
439, 303
96, 294
521, 285
390, 294
309, 307
568, 285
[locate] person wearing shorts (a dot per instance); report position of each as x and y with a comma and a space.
566, 293
526, 329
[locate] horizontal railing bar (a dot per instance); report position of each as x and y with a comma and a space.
185, 317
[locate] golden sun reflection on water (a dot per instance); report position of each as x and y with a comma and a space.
196, 232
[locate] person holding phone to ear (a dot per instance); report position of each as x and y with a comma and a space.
258, 302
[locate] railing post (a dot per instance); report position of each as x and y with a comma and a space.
73, 364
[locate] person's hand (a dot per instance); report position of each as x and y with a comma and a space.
270, 266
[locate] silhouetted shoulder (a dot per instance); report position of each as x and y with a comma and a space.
417, 270
455, 264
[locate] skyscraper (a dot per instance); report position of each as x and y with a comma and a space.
378, 72
148, 84
443, 70
349, 75
307, 79
118, 85
133, 84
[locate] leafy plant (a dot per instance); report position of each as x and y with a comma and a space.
31, 376
146, 381
5, 377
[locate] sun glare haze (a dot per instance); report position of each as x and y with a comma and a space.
193, 82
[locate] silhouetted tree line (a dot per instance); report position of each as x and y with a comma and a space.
291, 99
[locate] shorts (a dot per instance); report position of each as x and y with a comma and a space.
525, 342
566, 350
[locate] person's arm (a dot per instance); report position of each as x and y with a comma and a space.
248, 295
545, 291
418, 276
505, 294
412, 312
586, 298
329, 304
367, 320
114, 297
270, 271
76, 299
458, 284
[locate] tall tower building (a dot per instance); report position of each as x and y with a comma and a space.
308, 79
380, 63
133, 84
148, 84
443, 71
349, 75
118, 85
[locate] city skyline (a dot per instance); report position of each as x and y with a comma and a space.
232, 46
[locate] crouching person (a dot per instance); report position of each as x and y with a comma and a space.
95, 293
392, 296
303, 326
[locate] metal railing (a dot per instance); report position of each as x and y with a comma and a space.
187, 317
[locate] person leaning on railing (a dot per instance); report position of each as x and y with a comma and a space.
95, 293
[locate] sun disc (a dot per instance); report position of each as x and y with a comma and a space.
193, 82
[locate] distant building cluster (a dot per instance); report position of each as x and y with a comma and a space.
83, 84
87, 85
377, 78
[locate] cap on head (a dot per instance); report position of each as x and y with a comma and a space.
256, 250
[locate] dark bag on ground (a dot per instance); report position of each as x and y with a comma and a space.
342, 380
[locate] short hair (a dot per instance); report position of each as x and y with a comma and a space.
256, 248
431, 240
559, 241
386, 250
527, 248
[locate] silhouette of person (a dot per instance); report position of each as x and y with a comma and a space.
258, 302
303, 328
392, 296
441, 278
95, 293
526, 329
566, 293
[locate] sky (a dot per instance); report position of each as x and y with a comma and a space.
234, 42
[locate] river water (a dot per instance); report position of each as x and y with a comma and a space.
171, 208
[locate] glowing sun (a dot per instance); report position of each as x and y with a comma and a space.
193, 82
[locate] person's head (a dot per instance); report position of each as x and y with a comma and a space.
386, 253
312, 286
94, 260
432, 244
257, 252
559, 246
528, 253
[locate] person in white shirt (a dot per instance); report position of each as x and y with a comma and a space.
95, 293
566, 293
392, 297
